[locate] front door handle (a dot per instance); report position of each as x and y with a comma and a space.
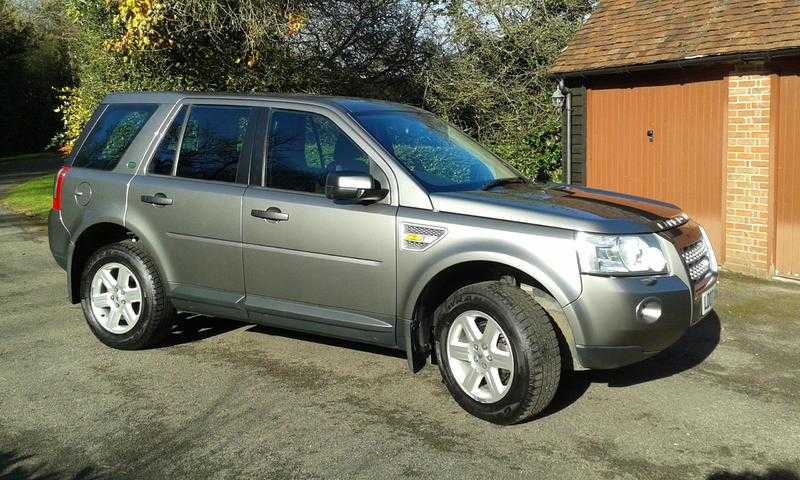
272, 213
158, 199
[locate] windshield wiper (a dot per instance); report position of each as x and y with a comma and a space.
498, 182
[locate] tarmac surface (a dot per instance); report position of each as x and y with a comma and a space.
223, 399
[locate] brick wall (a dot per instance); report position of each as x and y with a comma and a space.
747, 167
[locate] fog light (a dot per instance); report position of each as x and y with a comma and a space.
649, 310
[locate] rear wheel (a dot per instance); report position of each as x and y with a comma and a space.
497, 352
123, 298
116, 298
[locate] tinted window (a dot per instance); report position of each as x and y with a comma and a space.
113, 134
438, 155
304, 147
167, 152
212, 142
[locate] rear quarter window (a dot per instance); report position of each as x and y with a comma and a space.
112, 135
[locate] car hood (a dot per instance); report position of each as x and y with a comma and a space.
564, 206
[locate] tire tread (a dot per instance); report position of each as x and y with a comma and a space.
536, 329
161, 312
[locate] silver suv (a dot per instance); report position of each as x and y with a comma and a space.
373, 222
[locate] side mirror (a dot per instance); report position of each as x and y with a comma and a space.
353, 187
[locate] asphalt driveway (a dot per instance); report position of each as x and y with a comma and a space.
229, 400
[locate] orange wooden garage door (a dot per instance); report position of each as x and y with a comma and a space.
787, 179
680, 161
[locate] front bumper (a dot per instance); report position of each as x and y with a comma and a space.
608, 330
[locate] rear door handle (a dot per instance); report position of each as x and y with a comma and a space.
157, 199
272, 213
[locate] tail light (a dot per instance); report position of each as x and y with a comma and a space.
57, 191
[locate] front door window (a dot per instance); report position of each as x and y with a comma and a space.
304, 147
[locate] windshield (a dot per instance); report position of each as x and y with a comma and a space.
438, 155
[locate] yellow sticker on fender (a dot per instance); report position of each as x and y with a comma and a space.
414, 237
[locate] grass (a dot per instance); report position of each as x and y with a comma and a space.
32, 198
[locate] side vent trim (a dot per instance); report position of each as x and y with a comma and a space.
418, 238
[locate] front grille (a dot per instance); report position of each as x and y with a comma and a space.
694, 251
695, 257
699, 269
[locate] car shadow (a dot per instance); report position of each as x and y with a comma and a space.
190, 327
688, 352
331, 341
770, 474
15, 466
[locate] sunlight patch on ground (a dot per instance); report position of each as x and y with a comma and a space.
32, 197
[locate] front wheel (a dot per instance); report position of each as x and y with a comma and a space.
497, 352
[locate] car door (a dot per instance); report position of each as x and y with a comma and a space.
317, 265
188, 205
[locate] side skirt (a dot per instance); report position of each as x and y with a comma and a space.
321, 320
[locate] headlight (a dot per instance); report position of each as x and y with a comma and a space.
620, 254
712, 257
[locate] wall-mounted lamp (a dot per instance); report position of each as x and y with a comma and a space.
557, 98
561, 99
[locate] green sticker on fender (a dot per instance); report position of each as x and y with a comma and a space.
131, 165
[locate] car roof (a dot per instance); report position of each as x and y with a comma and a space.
351, 105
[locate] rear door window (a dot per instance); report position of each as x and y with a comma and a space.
112, 135
213, 141
164, 158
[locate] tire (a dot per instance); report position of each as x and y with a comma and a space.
513, 395
150, 320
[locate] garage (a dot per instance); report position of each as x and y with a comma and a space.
787, 178
662, 141
696, 104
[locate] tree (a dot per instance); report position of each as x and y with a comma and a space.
480, 63
492, 79
32, 67
345, 47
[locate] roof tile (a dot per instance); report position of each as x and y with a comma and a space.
640, 32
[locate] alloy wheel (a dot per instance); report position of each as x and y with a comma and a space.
479, 356
116, 298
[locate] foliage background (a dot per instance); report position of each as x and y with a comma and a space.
33, 67
482, 64
491, 76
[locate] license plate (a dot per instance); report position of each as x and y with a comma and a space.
708, 299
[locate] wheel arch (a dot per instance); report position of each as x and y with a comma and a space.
88, 239
441, 280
